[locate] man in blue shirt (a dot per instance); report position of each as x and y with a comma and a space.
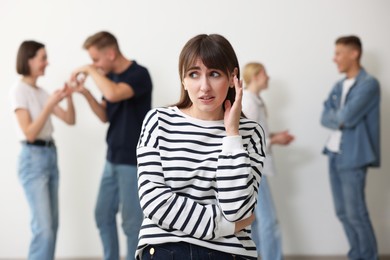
126, 87
352, 113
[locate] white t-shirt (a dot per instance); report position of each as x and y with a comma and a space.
334, 140
254, 108
33, 100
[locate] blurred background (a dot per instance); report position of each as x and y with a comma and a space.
293, 39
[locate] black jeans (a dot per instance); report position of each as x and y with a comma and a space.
185, 251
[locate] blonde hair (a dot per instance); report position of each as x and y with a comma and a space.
251, 69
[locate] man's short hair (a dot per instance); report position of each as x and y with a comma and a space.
101, 40
351, 41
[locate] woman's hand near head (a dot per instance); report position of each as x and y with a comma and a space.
233, 112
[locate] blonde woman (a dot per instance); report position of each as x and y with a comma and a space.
265, 229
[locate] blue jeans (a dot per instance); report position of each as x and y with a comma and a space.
118, 188
185, 251
350, 205
38, 174
265, 228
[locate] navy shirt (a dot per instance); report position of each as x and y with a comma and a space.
126, 116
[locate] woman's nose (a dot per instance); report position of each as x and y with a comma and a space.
205, 84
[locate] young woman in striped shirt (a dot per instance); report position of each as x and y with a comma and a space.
200, 162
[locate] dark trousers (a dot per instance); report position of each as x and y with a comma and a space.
182, 250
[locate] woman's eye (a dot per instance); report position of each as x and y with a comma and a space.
193, 75
215, 74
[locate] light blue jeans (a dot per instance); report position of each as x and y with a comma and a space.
350, 205
38, 174
118, 188
265, 228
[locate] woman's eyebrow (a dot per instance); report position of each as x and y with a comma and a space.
194, 68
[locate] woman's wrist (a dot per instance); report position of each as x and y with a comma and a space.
232, 133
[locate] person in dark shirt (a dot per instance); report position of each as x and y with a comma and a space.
126, 87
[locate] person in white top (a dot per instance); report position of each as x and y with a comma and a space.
200, 162
265, 228
37, 166
333, 143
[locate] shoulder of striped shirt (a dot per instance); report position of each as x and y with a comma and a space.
172, 111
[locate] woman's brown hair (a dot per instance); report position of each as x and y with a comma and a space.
215, 52
27, 50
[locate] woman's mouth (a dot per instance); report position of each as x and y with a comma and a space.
206, 99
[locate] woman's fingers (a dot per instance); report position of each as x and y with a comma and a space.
238, 87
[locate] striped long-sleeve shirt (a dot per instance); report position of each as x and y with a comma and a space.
195, 182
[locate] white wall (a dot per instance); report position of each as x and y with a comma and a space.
294, 39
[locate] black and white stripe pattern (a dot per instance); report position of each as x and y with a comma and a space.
194, 182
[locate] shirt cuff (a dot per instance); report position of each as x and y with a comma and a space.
225, 227
231, 144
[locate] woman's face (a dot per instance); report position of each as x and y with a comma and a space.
207, 89
38, 63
